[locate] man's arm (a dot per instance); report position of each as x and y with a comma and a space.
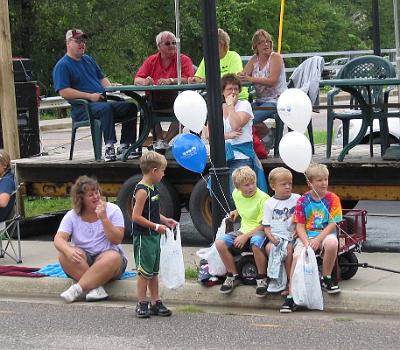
143, 81
70, 94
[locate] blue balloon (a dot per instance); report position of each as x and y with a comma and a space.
190, 152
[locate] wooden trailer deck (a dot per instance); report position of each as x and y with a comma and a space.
358, 177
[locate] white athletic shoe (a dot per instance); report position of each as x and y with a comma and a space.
72, 293
97, 294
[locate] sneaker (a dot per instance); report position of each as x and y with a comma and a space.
288, 306
135, 153
110, 154
230, 283
97, 294
261, 290
72, 293
159, 309
329, 286
142, 310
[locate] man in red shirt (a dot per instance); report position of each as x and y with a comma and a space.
160, 69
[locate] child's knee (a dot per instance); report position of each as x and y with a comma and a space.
220, 244
255, 249
330, 246
268, 248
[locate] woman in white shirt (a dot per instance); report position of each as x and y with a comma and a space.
238, 134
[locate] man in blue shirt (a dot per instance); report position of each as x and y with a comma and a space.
77, 75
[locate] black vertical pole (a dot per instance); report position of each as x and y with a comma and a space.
214, 107
376, 35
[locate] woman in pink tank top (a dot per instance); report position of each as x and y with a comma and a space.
266, 70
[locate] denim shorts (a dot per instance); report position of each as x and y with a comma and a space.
259, 239
90, 259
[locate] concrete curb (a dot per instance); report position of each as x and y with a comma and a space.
193, 293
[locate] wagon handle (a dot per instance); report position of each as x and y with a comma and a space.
366, 265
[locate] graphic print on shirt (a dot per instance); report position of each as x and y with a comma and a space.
282, 214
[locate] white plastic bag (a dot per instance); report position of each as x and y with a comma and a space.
215, 265
172, 268
306, 287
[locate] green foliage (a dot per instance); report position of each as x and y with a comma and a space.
38, 206
319, 137
122, 32
191, 273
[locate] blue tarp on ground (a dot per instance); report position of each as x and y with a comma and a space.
55, 270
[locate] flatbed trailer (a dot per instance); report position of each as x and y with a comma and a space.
358, 177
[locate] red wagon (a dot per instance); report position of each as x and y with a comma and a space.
351, 233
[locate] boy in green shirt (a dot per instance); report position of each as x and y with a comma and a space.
249, 201
148, 225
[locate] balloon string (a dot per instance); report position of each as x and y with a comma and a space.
220, 187
323, 204
213, 194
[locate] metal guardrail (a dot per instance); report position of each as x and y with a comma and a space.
56, 102
350, 54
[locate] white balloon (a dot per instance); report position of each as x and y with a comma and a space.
295, 151
191, 110
295, 109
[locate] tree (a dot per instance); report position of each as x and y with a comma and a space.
122, 32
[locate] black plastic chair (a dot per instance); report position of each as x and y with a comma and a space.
95, 126
372, 67
10, 240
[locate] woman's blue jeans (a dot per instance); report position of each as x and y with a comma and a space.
261, 115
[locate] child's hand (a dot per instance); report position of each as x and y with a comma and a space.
233, 215
171, 223
240, 241
274, 241
162, 229
315, 243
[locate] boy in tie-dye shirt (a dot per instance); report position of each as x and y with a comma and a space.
316, 215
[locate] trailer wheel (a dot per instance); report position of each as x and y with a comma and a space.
246, 267
200, 210
169, 201
348, 272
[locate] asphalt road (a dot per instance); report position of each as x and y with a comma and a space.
53, 325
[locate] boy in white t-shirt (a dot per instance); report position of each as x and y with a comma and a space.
277, 220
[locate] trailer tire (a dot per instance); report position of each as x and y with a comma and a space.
200, 210
246, 267
348, 272
169, 201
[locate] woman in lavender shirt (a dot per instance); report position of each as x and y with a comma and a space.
88, 241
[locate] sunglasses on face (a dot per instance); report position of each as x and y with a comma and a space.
169, 43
